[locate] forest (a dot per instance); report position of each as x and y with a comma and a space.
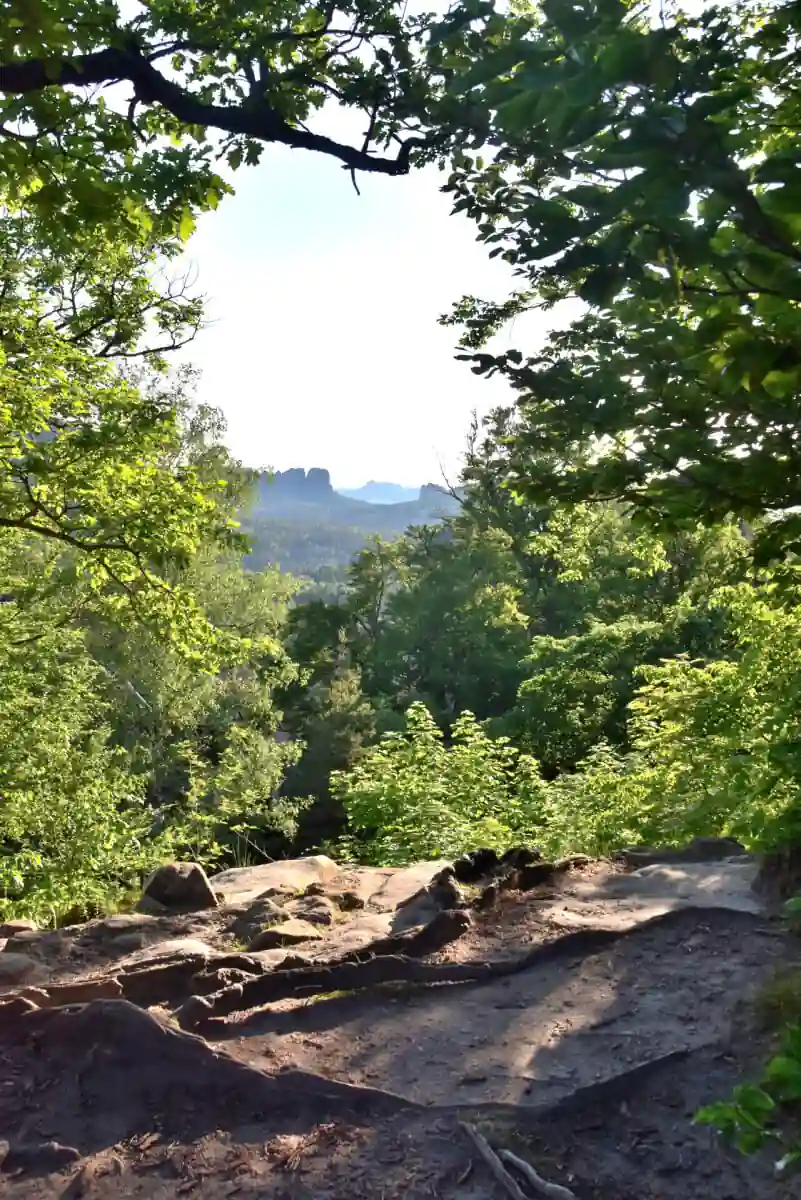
602, 647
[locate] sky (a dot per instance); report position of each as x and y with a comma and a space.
322, 345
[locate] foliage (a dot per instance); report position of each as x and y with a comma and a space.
96, 475
714, 746
646, 165
73, 825
413, 798
752, 1117
199, 85
436, 617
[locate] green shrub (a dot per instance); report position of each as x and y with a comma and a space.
411, 797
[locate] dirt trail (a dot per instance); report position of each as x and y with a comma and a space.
590, 1064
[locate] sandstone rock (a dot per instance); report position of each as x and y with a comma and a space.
262, 914
279, 960
401, 884
19, 968
475, 866
152, 908
126, 943
700, 849
315, 889
11, 928
24, 941
124, 923
171, 950
442, 893
349, 901
291, 933
244, 884
353, 935
315, 908
181, 885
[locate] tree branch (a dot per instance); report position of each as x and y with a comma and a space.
257, 121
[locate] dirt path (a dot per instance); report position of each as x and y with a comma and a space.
590, 1064
536, 1036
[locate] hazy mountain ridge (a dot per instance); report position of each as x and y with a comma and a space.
381, 492
302, 495
300, 522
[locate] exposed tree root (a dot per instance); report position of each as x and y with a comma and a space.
370, 968
349, 976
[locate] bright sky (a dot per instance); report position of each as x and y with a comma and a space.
323, 347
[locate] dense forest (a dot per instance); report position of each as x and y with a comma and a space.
598, 646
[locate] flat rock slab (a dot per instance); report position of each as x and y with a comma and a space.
616, 901
288, 933
241, 885
173, 948
354, 935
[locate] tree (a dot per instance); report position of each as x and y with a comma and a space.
98, 482
200, 84
647, 165
74, 829
437, 618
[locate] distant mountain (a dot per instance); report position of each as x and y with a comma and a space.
381, 493
300, 522
308, 496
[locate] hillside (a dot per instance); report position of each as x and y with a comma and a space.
300, 522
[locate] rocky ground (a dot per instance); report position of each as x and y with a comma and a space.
298, 1030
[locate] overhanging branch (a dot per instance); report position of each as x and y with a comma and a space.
258, 121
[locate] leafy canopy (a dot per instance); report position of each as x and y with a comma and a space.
124, 111
646, 164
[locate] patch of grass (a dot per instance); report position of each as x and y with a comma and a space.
337, 994
779, 1002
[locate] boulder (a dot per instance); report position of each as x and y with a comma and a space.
317, 909
401, 884
173, 949
122, 923
11, 928
25, 940
291, 933
180, 885
442, 893
262, 914
244, 884
19, 968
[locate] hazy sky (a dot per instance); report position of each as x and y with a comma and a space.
323, 347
